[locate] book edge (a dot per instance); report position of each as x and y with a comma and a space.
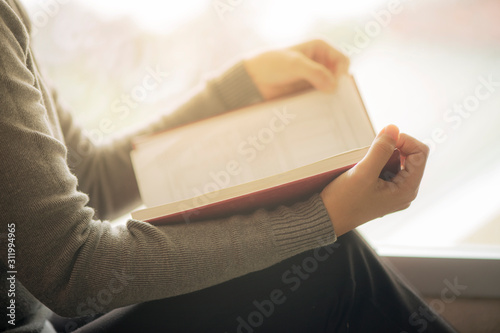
349, 158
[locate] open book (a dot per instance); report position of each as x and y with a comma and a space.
263, 155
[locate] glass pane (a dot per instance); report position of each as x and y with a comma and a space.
431, 67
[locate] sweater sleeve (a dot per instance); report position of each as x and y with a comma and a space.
77, 265
105, 172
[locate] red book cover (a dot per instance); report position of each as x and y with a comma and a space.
271, 197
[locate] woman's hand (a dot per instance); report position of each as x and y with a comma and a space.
282, 72
359, 195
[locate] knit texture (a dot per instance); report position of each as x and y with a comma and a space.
58, 188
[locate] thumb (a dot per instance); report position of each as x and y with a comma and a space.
380, 151
315, 73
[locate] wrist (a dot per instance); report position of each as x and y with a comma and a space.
236, 88
335, 213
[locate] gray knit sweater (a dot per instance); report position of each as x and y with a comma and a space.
57, 189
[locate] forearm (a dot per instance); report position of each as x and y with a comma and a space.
231, 90
146, 263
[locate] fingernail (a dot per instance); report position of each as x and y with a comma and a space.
391, 130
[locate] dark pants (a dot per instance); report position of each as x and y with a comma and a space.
339, 288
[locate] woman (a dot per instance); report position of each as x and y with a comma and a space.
221, 275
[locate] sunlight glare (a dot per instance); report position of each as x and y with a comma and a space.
149, 14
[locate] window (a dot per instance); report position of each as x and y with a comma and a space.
429, 66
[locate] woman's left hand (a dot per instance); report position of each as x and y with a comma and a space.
312, 64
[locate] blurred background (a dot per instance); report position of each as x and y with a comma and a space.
430, 67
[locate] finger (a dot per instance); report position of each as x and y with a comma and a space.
379, 153
343, 65
337, 62
339, 68
415, 153
409, 145
315, 73
324, 54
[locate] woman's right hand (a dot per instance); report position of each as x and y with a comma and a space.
359, 195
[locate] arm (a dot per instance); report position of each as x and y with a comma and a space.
105, 172
69, 261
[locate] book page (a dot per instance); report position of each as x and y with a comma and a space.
251, 143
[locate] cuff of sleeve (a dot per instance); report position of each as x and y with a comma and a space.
303, 226
236, 89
